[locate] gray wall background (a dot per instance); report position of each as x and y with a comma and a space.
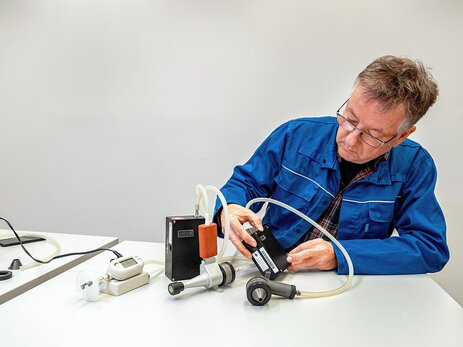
112, 110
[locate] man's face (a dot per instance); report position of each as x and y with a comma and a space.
367, 115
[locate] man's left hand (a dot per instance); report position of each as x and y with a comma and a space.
314, 254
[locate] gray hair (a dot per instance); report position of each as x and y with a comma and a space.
399, 82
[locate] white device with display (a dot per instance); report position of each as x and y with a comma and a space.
123, 275
126, 267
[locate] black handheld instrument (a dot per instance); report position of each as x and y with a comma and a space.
268, 255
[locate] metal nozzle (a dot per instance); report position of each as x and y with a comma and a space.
259, 294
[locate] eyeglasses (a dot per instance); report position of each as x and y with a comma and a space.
366, 137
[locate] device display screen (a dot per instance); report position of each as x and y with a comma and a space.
128, 262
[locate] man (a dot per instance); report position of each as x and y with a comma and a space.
357, 174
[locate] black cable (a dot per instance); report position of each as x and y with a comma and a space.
116, 253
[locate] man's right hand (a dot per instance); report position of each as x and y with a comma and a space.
238, 216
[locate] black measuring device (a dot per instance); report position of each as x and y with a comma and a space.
268, 255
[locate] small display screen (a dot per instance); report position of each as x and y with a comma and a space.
128, 262
185, 233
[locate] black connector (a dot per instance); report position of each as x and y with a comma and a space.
175, 288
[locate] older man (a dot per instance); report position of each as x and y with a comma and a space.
357, 174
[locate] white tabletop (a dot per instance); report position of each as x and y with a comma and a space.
376, 311
24, 280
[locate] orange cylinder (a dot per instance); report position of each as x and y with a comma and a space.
207, 240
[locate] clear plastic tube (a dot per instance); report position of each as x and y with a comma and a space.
303, 294
155, 273
239, 262
153, 261
203, 202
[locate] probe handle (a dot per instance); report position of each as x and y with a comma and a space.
259, 290
283, 289
215, 275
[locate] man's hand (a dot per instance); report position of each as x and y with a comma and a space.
239, 215
315, 254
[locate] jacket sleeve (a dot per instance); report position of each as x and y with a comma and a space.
421, 245
255, 178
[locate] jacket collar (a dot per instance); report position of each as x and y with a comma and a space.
381, 176
327, 157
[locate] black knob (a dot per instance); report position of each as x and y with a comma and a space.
175, 288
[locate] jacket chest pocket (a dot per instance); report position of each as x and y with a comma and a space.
380, 215
295, 191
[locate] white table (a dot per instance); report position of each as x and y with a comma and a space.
24, 280
376, 311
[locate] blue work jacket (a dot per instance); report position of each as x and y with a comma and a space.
297, 164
